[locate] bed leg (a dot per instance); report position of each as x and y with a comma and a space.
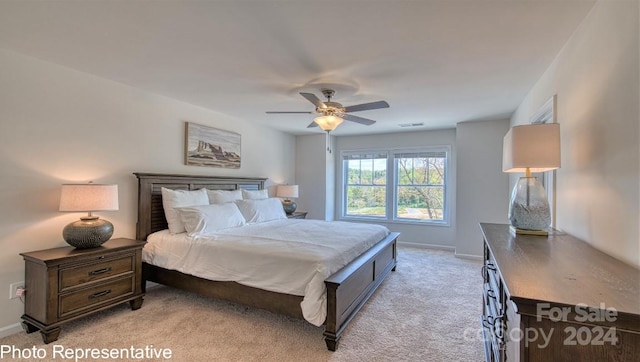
332, 343
145, 276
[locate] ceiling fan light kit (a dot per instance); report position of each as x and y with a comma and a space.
328, 123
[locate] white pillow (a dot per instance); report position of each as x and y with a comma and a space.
207, 219
255, 194
261, 210
222, 196
180, 198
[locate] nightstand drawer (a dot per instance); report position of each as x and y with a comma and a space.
82, 299
71, 277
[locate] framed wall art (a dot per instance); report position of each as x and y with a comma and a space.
213, 147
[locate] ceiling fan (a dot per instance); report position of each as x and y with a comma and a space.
333, 113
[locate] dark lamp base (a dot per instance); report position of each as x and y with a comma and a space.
87, 233
289, 206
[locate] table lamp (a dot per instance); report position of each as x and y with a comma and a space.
288, 191
90, 231
531, 148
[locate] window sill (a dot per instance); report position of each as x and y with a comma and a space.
396, 221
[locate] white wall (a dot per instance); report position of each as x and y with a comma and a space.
58, 125
313, 169
482, 187
410, 233
596, 77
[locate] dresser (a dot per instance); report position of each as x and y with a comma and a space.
63, 284
556, 298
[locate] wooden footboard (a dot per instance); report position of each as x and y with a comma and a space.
350, 288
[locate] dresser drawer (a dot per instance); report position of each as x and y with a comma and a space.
78, 275
78, 301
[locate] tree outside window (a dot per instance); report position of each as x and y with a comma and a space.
420, 186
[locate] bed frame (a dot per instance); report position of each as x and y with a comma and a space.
347, 290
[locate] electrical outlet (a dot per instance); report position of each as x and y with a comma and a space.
13, 289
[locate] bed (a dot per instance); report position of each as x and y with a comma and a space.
347, 290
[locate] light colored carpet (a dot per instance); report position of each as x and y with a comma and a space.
428, 310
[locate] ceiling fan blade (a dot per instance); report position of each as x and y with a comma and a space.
352, 118
313, 99
286, 112
312, 124
366, 106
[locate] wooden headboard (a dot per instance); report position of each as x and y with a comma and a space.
150, 211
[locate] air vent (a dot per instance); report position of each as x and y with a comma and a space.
404, 125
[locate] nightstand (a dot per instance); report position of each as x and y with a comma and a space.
63, 284
297, 215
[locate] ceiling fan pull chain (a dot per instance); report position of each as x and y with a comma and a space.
328, 142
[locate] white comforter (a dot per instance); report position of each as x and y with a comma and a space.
289, 256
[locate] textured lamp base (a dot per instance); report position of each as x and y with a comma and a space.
289, 206
87, 232
529, 208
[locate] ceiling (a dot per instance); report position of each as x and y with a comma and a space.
435, 62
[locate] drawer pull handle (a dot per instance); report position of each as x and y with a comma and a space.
100, 294
486, 323
491, 294
498, 327
100, 271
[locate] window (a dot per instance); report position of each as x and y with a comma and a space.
417, 180
366, 191
420, 185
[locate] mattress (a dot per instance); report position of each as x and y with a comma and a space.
290, 256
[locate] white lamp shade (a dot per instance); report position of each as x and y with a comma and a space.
534, 146
287, 191
89, 197
328, 123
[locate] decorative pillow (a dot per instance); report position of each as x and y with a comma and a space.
207, 219
255, 194
222, 196
255, 211
180, 198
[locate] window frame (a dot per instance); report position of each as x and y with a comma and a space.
345, 181
392, 186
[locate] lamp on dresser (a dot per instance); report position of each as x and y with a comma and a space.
288, 192
531, 148
90, 231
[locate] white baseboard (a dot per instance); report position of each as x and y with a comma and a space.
440, 247
10, 329
468, 256
426, 246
